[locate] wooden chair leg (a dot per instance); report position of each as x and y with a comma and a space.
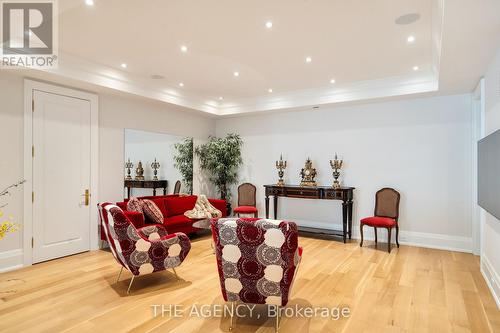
389, 240
375, 234
397, 236
361, 225
255, 215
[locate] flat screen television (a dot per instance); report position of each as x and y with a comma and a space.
489, 174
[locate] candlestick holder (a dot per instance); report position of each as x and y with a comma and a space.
281, 166
336, 165
129, 165
155, 165
139, 172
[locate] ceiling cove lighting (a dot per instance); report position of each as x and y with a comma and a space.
123, 65
410, 39
184, 48
89, 2
269, 24
236, 74
416, 68
308, 59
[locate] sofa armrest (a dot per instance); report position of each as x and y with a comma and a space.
136, 218
220, 205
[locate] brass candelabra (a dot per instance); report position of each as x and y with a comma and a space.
336, 165
281, 166
129, 165
155, 166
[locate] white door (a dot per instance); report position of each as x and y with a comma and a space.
61, 175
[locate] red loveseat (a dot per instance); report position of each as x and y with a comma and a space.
172, 207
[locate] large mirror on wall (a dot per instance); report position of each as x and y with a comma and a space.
157, 163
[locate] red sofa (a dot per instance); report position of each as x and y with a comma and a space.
172, 207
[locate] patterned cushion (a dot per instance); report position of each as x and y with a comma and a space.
142, 251
134, 205
152, 211
257, 259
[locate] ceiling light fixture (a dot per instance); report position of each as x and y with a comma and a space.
184, 48
269, 90
308, 59
410, 39
221, 98
181, 84
236, 74
332, 81
269, 24
89, 2
416, 68
124, 65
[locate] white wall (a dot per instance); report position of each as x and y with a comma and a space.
490, 258
422, 147
116, 112
147, 146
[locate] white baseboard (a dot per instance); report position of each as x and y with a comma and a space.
11, 260
492, 279
412, 238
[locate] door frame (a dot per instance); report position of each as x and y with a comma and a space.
29, 87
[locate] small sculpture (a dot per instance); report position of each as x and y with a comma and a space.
139, 172
281, 166
155, 165
308, 173
129, 165
336, 165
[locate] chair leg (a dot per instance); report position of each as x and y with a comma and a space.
255, 215
389, 240
397, 236
130, 285
232, 317
177, 276
277, 319
119, 274
375, 235
361, 225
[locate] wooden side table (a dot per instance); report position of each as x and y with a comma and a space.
153, 184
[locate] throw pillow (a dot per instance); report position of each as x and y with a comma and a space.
152, 211
134, 205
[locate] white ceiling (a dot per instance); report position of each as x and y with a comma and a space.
356, 42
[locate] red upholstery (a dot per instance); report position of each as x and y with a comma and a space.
160, 203
245, 210
376, 221
178, 205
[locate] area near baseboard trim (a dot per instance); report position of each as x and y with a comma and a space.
11, 260
420, 239
492, 278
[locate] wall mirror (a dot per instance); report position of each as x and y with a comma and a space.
174, 157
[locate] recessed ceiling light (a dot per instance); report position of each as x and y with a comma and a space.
124, 65
236, 74
332, 81
181, 84
89, 2
221, 98
410, 39
308, 59
269, 90
269, 24
184, 48
416, 68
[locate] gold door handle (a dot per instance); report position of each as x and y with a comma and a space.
87, 197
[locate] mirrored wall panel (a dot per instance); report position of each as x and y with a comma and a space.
155, 162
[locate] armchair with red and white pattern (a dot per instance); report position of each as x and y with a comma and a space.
257, 260
141, 250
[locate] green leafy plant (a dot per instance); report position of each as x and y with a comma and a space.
183, 161
221, 157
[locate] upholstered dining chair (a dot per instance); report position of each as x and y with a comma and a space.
257, 260
386, 215
177, 187
247, 200
144, 250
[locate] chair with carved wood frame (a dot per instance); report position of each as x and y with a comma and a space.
247, 201
386, 215
177, 187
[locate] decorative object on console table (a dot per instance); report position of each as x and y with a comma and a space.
344, 194
281, 166
129, 165
155, 166
152, 184
308, 173
139, 172
336, 165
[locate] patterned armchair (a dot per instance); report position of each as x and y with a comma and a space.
257, 260
144, 250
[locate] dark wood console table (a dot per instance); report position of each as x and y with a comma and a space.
345, 194
154, 184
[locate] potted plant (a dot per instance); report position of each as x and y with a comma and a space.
221, 158
183, 161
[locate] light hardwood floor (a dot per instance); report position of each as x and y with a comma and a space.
410, 290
